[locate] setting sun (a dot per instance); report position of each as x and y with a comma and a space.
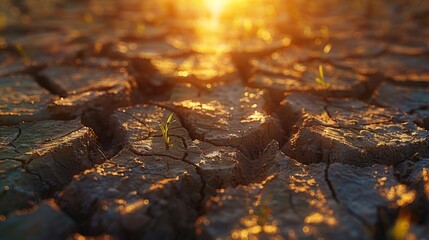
216, 7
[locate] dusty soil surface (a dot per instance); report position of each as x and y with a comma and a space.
256, 147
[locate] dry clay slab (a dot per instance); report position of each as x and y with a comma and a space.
349, 131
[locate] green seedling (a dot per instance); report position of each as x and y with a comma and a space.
263, 211
21, 51
165, 131
321, 78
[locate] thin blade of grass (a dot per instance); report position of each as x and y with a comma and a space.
170, 117
322, 76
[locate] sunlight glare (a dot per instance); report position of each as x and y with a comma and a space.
215, 7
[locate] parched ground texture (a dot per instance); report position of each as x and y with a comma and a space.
258, 149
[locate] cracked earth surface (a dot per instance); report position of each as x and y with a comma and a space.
258, 149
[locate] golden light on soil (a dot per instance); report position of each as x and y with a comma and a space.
302, 183
259, 223
425, 176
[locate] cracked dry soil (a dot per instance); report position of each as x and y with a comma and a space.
260, 150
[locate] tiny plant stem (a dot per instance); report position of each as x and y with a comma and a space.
321, 81
21, 51
165, 131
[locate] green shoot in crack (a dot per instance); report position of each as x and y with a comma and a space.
165, 131
21, 51
321, 80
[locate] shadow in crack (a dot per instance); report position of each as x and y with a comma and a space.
109, 133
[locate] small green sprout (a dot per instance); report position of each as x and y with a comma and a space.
165, 131
21, 51
263, 211
321, 78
